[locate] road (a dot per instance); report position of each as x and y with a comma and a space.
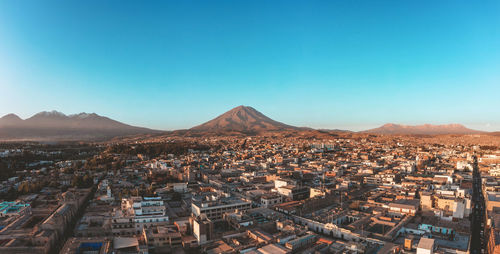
478, 212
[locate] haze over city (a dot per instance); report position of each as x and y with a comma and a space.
333, 65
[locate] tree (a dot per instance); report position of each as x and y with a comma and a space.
77, 181
24, 187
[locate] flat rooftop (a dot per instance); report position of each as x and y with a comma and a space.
220, 202
494, 196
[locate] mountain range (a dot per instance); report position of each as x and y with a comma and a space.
425, 129
241, 120
55, 125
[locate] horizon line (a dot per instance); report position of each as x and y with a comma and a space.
361, 129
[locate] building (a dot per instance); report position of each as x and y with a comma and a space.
8, 209
238, 220
270, 200
138, 213
404, 207
161, 236
203, 228
122, 226
451, 204
426, 201
300, 242
272, 248
492, 200
39, 229
179, 187
314, 192
294, 192
214, 210
425, 246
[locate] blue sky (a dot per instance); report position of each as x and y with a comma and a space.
324, 64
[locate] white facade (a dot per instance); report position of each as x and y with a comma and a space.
145, 212
280, 183
425, 246
215, 210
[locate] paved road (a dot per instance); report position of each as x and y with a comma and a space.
478, 212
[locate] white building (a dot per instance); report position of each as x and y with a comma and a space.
495, 170
179, 187
215, 209
425, 246
145, 212
463, 165
280, 183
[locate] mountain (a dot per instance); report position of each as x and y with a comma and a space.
55, 125
10, 119
242, 119
425, 129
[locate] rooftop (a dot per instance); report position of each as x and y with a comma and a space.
426, 243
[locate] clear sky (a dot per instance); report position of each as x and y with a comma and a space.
324, 64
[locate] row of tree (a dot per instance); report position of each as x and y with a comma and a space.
156, 149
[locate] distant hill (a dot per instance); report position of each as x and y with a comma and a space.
55, 125
425, 129
242, 119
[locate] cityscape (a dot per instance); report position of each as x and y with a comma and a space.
244, 183
280, 127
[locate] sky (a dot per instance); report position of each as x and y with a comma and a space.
322, 64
